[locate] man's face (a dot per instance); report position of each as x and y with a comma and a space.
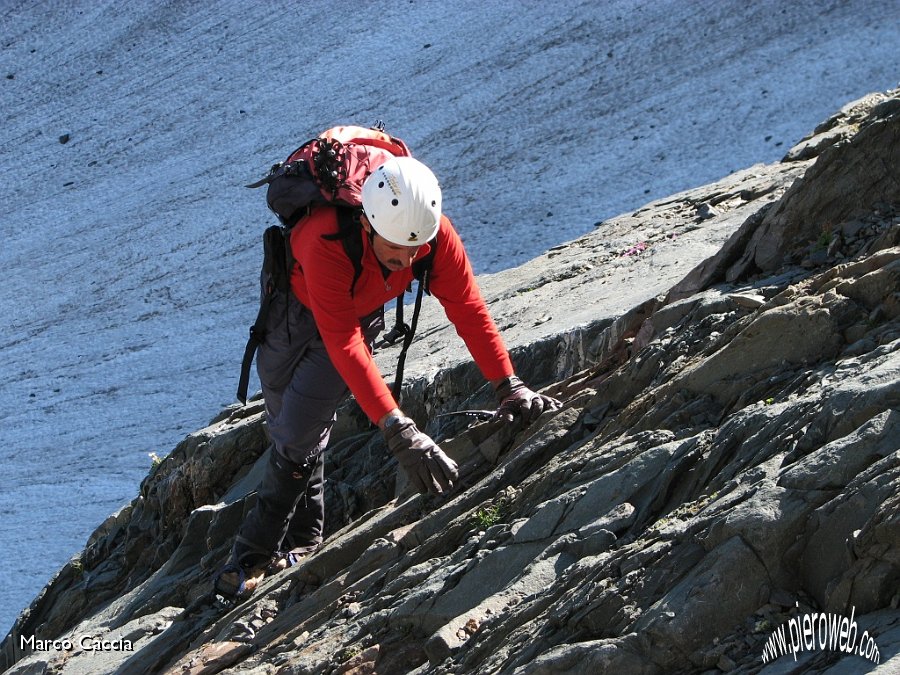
393, 256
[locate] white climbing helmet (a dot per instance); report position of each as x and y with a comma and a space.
402, 200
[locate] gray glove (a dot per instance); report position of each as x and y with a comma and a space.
426, 465
517, 400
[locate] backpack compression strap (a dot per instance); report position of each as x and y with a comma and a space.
275, 274
257, 337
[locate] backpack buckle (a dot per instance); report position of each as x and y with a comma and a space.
395, 334
257, 335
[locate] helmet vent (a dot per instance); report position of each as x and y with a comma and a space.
394, 202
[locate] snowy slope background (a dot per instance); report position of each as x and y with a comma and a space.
130, 252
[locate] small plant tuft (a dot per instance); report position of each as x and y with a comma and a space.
495, 511
825, 238
348, 653
487, 516
78, 567
763, 626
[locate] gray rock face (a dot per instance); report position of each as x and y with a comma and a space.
727, 461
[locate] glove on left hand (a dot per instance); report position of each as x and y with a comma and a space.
426, 465
517, 400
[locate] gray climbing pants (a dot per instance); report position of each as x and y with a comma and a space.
302, 390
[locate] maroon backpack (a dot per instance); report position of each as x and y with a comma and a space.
329, 168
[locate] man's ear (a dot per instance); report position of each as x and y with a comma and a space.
367, 226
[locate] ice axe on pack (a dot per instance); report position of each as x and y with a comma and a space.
517, 401
480, 415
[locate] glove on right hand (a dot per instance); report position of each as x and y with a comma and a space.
426, 465
517, 400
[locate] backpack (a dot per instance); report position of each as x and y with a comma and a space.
328, 169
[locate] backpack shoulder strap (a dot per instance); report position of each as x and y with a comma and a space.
348, 234
422, 268
409, 333
422, 273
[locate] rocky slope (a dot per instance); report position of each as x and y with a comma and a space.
727, 460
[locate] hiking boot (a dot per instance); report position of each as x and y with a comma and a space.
282, 560
236, 581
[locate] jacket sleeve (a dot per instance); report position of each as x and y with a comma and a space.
453, 284
328, 275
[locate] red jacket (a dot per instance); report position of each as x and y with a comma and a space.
321, 280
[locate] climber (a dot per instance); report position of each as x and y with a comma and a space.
319, 345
